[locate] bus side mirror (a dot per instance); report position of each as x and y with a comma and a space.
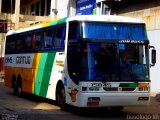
153, 57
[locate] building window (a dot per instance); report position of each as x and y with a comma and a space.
48, 7
22, 11
32, 9
42, 7
37, 8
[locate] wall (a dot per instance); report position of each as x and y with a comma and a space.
150, 16
65, 8
154, 37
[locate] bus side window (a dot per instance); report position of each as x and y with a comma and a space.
28, 41
73, 32
8, 44
63, 37
36, 40
19, 44
47, 36
60, 36
12, 45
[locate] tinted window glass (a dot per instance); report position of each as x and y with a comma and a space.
28, 41
19, 43
60, 36
48, 36
36, 40
73, 31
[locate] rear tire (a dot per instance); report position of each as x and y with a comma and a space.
15, 91
19, 88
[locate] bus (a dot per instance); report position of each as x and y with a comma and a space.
82, 61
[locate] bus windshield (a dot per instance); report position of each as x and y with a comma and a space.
103, 57
114, 31
114, 62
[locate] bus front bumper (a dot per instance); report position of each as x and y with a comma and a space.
113, 99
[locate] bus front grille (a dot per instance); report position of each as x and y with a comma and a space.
119, 88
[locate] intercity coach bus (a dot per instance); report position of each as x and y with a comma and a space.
83, 61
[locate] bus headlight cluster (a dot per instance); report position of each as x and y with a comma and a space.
90, 88
93, 88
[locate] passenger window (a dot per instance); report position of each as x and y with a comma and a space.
74, 32
19, 44
28, 41
60, 36
48, 36
8, 44
12, 46
36, 40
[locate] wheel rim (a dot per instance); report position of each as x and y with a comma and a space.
15, 87
19, 90
62, 99
62, 96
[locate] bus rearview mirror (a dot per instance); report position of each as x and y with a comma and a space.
153, 57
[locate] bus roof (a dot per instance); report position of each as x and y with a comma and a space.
100, 18
42, 25
105, 18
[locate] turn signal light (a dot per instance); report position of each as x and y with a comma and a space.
143, 85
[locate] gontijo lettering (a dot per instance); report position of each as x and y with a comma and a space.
8, 60
23, 59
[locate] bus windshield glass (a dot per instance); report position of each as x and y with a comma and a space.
114, 31
114, 62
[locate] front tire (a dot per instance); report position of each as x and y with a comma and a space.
61, 97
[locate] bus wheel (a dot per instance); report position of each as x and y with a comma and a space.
19, 88
15, 87
61, 97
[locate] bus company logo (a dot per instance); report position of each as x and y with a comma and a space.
8, 60
73, 94
131, 41
101, 84
23, 60
59, 63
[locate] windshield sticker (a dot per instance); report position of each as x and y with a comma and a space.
131, 41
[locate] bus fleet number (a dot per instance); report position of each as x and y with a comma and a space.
101, 84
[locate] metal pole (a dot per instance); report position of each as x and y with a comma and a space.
0, 6
11, 12
11, 6
101, 8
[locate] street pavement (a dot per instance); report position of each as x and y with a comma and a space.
31, 107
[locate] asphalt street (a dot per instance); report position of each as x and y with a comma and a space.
31, 107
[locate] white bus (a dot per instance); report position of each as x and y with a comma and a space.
83, 61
